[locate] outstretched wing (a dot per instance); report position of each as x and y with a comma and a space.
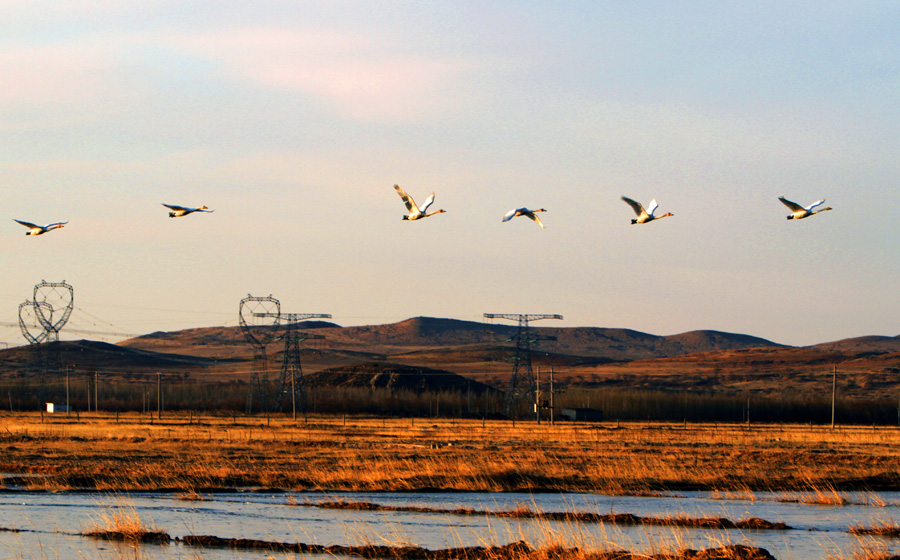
176, 208
510, 215
792, 205
814, 204
653, 206
534, 217
635, 205
428, 202
29, 225
407, 200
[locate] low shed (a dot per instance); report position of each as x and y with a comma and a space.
582, 414
52, 407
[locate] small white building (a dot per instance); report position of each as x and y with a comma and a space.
51, 407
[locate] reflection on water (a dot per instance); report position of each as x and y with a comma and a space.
47, 524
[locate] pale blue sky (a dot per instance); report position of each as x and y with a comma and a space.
294, 119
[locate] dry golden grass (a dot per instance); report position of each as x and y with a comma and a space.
886, 528
191, 455
870, 550
123, 523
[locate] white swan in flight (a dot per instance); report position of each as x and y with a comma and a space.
524, 212
34, 229
800, 212
644, 216
416, 213
178, 211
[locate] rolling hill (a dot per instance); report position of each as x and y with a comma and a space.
89, 356
428, 333
705, 360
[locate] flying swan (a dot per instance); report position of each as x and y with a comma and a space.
800, 212
524, 212
644, 216
416, 213
178, 211
34, 229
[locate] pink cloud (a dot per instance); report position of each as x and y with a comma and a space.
358, 77
57, 73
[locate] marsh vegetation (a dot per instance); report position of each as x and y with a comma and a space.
195, 453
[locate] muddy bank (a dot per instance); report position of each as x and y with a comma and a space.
612, 518
513, 551
153, 537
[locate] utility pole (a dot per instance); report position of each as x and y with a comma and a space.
551, 397
833, 393
521, 383
158, 395
67, 392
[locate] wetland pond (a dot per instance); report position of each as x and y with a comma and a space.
49, 525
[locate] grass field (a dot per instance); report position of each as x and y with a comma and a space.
189, 453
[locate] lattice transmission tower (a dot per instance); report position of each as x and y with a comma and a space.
41, 319
31, 327
522, 385
291, 379
259, 320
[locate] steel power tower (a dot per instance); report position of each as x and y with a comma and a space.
291, 379
48, 311
259, 319
522, 385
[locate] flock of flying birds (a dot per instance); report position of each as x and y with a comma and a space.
176, 212
644, 215
416, 212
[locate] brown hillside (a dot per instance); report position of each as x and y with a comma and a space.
85, 356
395, 377
708, 361
770, 371
428, 333
876, 344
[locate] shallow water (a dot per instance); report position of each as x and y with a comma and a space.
48, 522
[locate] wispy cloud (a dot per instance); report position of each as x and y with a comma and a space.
56, 72
355, 75
352, 75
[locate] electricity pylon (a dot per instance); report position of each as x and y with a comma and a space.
259, 322
54, 297
522, 385
291, 379
48, 310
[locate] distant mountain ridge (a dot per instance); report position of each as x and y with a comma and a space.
89, 355
398, 354
430, 332
877, 344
